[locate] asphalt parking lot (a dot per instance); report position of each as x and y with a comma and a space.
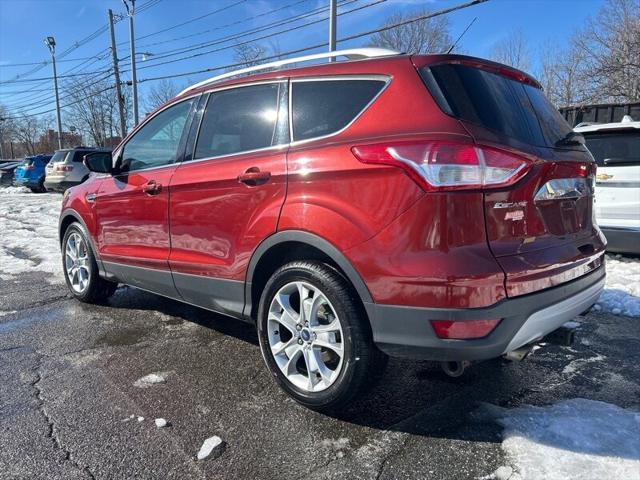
73, 405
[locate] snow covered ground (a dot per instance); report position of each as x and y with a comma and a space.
573, 439
29, 242
29, 232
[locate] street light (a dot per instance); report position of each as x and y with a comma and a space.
50, 42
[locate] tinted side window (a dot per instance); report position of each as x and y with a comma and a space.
322, 107
238, 120
157, 142
78, 156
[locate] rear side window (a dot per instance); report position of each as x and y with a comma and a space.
496, 102
618, 148
60, 156
323, 107
78, 156
238, 120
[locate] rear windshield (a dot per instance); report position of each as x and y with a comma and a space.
496, 102
27, 162
60, 156
614, 148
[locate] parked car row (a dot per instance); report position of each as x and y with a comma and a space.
42, 173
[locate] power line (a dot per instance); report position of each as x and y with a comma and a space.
192, 20
263, 37
79, 43
324, 44
231, 24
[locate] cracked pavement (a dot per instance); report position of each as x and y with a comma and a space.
69, 406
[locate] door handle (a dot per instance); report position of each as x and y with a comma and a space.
253, 177
152, 187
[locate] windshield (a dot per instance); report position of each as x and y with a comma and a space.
623, 145
494, 101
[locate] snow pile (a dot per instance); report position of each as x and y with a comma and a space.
29, 232
151, 379
161, 422
209, 445
622, 290
573, 439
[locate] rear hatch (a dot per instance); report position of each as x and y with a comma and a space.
617, 153
541, 229
53, 167
21, 173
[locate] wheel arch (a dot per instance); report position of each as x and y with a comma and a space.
70, 216
290, 245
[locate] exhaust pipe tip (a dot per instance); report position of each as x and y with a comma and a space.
454, 369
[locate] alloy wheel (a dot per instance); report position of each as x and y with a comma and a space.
76, 262
305, 336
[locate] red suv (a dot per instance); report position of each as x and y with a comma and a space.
433, 207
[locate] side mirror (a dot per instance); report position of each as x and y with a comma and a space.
100, 162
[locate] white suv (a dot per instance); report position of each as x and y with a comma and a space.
616, 149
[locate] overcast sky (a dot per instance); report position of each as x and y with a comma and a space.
24, 24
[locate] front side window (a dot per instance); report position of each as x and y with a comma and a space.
238, 120
323, 107
157, 142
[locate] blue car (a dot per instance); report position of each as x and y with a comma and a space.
30, 173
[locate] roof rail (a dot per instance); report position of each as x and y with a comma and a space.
352, 54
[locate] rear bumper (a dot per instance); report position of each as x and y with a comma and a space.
59, 186
407, 332
27, 182
622, 239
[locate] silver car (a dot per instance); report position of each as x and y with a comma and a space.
66, 168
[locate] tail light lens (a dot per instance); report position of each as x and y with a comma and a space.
465, 329
437, 165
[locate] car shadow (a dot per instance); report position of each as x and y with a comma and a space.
413, 397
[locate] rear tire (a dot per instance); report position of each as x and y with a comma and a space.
81, 269
320, 350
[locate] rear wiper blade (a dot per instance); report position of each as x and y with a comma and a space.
571, 138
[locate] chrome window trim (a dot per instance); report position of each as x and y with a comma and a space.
384, 78
379, 77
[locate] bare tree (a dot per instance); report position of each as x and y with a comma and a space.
93, 109
7, 130
27, 129
561, 74
249, 54
159, 94
512, 50
430, 35
610, 45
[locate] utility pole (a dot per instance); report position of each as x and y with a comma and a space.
116, 74
51, 43
332, 27
1, 138
134, 82
2, 120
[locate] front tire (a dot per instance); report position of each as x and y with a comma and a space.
315, 337
81, 269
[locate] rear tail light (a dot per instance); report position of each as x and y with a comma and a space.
439, 165
464, 329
